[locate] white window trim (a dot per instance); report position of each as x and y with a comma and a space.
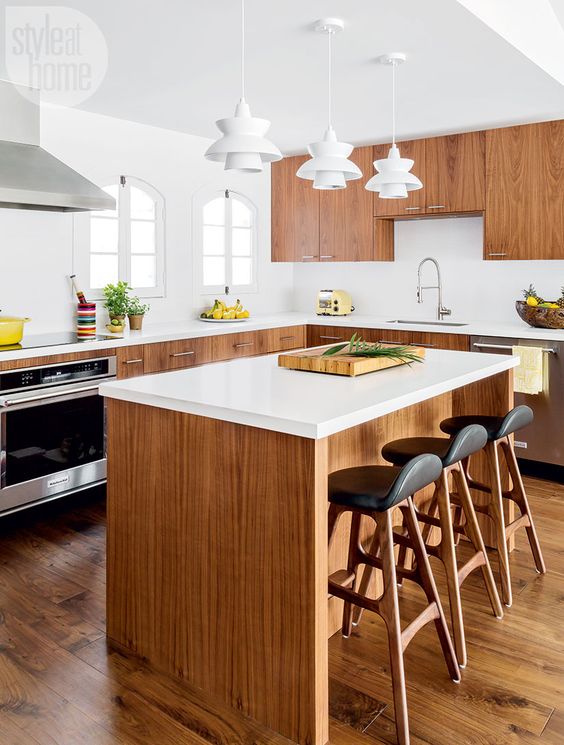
199, 201
81, 242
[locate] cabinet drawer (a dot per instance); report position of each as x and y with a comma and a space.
319, 335
175, 355
130, 361
230, 346
289, 337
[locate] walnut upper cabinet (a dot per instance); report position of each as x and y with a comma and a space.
345, 216
452, 169
525, 192
455, 169
415, 202
294, 213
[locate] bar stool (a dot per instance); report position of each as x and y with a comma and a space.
451, 452
498, 430
373, 491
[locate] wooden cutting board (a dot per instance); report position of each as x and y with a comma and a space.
312, 360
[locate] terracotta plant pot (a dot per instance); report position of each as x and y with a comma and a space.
543, 318
136, 322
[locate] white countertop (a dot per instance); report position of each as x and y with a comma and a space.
154, 333
258, 393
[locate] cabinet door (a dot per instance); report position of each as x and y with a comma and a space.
175, 355
294, 213
416, 200
130, 361
525, 192
230, 346
288, 337
346, 231
455, 170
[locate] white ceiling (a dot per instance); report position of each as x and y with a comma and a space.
175, 64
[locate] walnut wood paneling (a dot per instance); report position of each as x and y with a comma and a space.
54, 359
287, 337
131, 361
415, 202
525, 188
345, 217
455, 170
294, 213
175, 355
318, 335
384, 243
217, 564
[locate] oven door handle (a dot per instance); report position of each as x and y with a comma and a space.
60, 393
508, 348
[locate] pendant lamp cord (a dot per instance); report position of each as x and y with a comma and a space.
394, 65
242, 50
330, 81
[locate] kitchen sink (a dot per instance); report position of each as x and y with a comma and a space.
427, 323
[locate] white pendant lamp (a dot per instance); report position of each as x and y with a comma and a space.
243, 146
329, 167
393, 179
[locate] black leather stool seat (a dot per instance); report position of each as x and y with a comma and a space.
450, 450
496, 426
378, 488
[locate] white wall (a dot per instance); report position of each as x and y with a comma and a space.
473, 288
36, 247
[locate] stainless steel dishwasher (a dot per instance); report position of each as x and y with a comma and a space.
543, 440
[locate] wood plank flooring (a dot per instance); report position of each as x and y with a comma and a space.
60, 685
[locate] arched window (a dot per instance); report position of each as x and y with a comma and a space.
226, 243
126, 243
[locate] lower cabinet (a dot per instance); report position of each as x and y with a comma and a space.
231, 346
175, 355
319, 335
131, 361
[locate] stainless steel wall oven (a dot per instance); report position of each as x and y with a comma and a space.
52, 431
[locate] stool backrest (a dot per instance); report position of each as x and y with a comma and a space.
418, 473
515, 420
468, 441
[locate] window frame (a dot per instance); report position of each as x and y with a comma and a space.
82, 239
200, 201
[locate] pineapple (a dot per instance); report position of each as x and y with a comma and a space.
532, 293
560, 301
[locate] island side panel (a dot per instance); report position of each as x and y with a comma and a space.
217, 561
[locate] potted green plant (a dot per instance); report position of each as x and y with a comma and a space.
117, 299
136, 312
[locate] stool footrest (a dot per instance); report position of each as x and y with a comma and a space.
342, 578
520, 522
430, 613
470, 566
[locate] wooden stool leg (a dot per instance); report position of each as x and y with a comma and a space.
475, 535
447, 554
389, 610
366, 577
495, 511
352, 566
428, 584
520, 497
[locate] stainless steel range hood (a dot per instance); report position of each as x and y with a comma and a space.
31, 178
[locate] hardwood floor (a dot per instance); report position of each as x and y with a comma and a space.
59, 685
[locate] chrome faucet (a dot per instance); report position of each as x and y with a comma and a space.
441, 310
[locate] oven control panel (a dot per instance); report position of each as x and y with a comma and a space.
49, 375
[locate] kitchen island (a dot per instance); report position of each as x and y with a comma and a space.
217, 514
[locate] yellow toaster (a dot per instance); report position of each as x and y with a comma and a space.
334, 303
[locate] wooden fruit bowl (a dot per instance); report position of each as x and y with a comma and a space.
542, 318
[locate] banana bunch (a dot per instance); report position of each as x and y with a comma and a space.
222, 312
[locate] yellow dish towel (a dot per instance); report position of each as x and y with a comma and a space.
528, 376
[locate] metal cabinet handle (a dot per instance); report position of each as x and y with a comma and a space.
385, 341
244, 344
508, 348
497, 253
305, 258
181, 354
326, 256
287, 338
332, 338
407, 209
436, 206
132, 362
420, 344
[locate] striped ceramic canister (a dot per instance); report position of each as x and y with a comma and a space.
86, 320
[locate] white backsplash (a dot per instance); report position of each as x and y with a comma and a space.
473, 288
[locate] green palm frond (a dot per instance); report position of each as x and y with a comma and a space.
357, 347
